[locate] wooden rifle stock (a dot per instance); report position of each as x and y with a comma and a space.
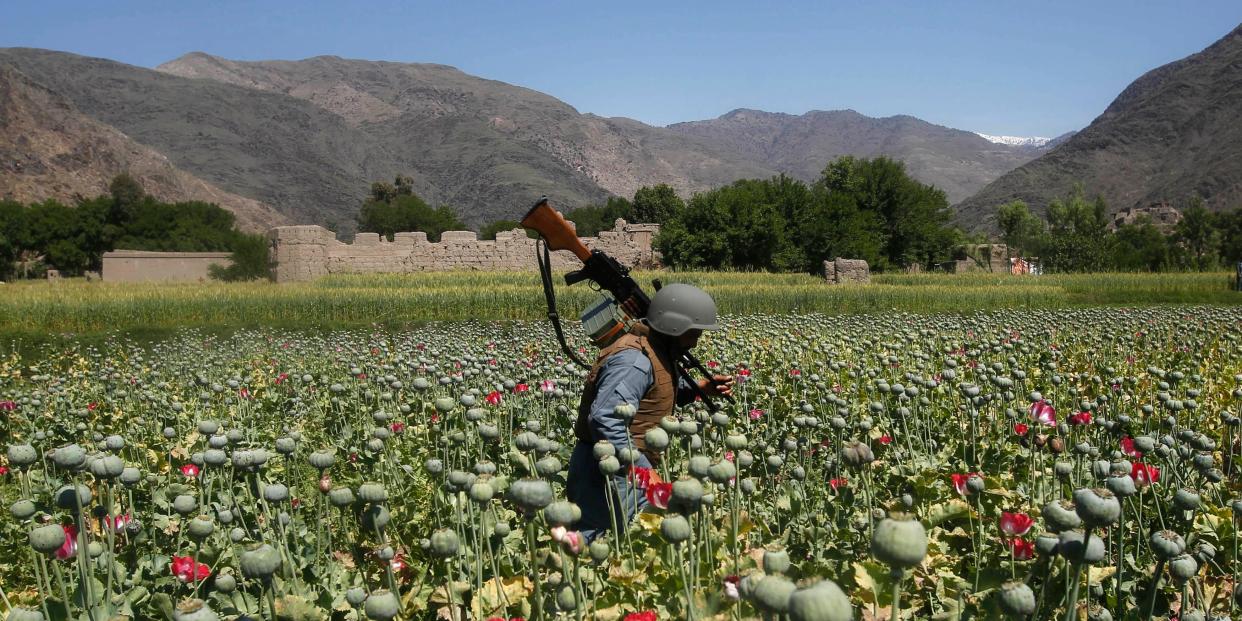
556, 231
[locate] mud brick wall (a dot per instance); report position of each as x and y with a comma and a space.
841, 271
308, 252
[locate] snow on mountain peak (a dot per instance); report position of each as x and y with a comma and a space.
1016, 141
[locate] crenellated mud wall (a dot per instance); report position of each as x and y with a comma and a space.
307, 252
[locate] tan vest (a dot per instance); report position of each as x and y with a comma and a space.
655, 404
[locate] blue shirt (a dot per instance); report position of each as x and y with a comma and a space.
624, 378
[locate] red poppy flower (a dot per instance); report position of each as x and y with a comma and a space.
646, 615
641, 475
1127, 447
886, 439
184, 569
795, 372
70, 546
756, 414
1081, 418
658, 494
189, 470
1021, 549
1015, 524
1144, 474
838, 482
959, 482
396, 426
520, 388
1021, 428
1043, 413
8, 406
493, 398
4, 470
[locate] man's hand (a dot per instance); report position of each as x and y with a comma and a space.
717, 385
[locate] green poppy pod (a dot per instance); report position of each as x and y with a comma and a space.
322, 459
1183, 567
1097, 507
69, 457
1060, 516
48, 538
22, 455
609, 465
194, 610
603, 449
531, 494
200, 528
656, 439
382, 605
1167, 544
260, 561
598, 551
675, 528
1121, 486
20, 613
735, 441
1017, 599
275, 492
22, 509
721, 471
356, 595
341, 497
899, 542
372, 492
773, 594
66, 499
374, 517
1185, 499
822, 601
226, 583
561, 513
1077, 550
444, 543
481, 492
566, 598
687, 496
775, 561
548, 466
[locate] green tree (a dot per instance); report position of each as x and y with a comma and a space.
591, 219
1140, 247
405, 212
1228, 225
14, 237
739, 226
126, 193
656, 204
1197, 233
1019, 227
251, 260
1077, 238
915, 216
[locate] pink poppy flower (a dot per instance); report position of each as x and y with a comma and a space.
189, 470
1015, 524
70, 547
1043, 413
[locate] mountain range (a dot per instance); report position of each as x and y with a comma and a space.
301, 141
1172, 134
305, 139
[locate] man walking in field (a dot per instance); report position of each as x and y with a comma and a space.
637, 370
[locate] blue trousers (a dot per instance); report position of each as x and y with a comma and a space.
587, 487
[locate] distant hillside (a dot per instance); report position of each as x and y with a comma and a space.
308, 137
50, 150
1173, 133
956, 161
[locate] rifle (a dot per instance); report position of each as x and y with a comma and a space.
556, 233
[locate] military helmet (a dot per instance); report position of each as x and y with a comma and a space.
677, 308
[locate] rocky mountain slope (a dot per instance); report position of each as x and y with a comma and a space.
956, 161
50, 150
309, 137
1173, 133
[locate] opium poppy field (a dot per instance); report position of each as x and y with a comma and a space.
1014, 464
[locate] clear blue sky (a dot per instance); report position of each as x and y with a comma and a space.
1001, 67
